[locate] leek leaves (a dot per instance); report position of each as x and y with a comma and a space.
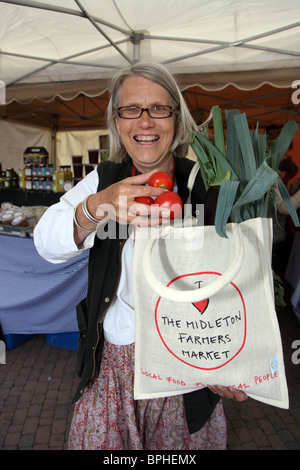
243, 166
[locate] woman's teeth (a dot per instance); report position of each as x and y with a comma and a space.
146, 138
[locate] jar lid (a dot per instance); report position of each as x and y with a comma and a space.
17, 220
6, 205
17, 213
7, 216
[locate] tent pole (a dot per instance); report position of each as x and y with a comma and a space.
136, 38
54, 141
67, 11
136, 52
89, 17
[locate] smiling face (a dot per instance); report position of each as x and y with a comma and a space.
146, 140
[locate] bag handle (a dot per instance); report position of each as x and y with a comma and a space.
190, 185
194, 295
191, 180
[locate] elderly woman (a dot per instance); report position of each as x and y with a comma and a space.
150, 129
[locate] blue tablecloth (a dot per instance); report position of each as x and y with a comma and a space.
38, 297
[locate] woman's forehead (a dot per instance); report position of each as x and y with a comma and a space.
139, 88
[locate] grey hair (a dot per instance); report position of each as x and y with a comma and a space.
185, 126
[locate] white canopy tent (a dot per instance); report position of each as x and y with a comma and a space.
88, 39
56, 58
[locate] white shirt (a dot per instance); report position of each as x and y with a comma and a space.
54, 241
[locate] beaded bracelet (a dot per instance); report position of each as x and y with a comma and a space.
77, 224
87, 213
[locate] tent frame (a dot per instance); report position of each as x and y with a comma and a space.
135, 37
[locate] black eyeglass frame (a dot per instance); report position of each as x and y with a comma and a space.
172, 109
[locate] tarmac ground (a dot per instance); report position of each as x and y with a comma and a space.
38, 381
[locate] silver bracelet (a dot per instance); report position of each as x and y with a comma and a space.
77, 224
87, 214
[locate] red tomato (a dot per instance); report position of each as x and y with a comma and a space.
161, 180
171, 201
144, 200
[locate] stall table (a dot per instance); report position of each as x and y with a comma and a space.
38, 297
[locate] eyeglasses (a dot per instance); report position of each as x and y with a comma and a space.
156, 112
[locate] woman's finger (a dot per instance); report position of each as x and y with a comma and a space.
229, 392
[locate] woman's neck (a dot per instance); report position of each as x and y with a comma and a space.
167, 166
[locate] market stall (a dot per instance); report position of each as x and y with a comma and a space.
36, 297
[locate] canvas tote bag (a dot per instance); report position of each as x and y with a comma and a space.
205, 315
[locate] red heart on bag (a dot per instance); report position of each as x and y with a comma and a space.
202, 305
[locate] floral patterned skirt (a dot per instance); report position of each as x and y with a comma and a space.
108, 418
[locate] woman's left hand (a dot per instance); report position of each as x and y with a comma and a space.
229, 392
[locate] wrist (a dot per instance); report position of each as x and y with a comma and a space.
87, 213
78, 221
89, 207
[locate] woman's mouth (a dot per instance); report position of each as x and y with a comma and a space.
146, 139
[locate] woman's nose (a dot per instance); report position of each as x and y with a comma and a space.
145, 119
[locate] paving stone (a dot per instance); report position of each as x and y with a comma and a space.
259, 437
27, 441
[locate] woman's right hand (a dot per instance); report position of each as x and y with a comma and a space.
117, 202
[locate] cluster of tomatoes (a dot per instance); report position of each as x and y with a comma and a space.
168, 199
